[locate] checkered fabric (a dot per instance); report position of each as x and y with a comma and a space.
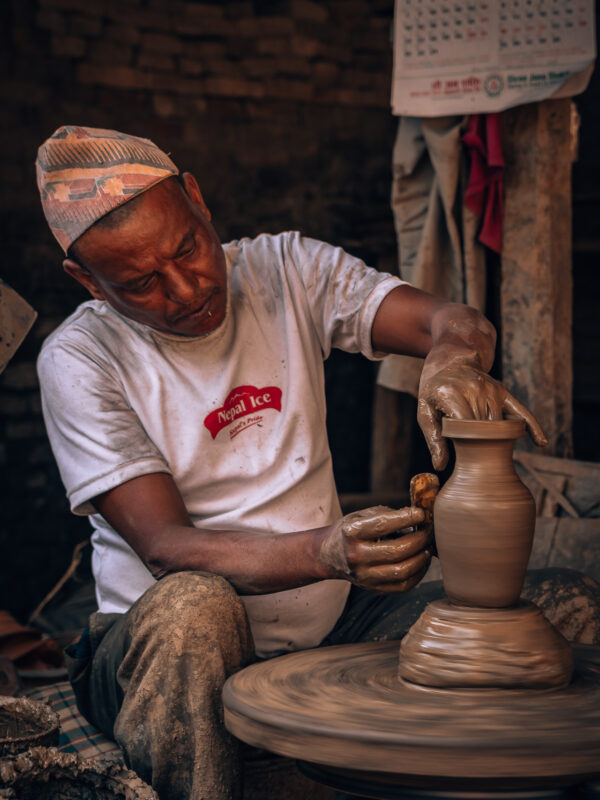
84, 173
76, 734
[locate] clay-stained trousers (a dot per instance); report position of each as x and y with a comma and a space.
151, 679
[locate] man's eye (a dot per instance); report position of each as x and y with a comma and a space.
188, 251
143, 284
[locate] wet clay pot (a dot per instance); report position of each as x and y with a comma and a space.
484, 516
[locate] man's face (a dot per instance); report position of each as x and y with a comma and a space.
163, 265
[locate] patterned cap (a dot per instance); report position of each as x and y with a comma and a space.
84, 173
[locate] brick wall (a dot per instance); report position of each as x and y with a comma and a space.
279, 108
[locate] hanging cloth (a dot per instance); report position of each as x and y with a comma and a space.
437, 233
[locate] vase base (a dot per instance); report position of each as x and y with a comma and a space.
462, 646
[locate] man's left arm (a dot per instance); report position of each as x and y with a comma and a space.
458, 345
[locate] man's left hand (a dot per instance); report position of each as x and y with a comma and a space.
463, 391
458, 345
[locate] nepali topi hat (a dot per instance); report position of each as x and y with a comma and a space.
85, 173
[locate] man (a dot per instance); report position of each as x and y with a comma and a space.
185, 406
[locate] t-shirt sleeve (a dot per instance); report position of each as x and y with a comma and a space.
343, 293
97, 439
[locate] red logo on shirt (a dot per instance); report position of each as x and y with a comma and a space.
243, 401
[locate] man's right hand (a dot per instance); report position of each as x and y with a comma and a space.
361, 548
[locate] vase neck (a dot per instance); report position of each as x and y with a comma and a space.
495, 455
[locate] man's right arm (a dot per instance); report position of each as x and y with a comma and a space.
149, 513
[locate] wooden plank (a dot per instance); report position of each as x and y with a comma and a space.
545, 531
552, 485
563, 466
536, 288
582, 487
576, 544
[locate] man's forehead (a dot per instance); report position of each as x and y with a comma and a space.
157, 205
155, 226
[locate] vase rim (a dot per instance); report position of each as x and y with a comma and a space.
483, 428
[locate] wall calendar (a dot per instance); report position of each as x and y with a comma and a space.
470, 56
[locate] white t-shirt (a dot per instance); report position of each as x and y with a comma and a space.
237, 416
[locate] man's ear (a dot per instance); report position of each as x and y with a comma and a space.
193, 192
84, 277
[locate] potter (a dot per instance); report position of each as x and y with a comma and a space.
217, 540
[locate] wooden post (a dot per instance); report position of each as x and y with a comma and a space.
536, 289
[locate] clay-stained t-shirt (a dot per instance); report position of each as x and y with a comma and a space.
237, 416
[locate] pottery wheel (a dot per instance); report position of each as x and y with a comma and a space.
345, 707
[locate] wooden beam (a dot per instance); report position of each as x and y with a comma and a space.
536, 287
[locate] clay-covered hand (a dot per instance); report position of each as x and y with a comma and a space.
360, 547
465, 391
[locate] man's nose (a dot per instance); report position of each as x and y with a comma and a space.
180, 286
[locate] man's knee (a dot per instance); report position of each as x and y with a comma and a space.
189, 607
193, 590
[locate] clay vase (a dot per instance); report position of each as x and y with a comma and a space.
484, 516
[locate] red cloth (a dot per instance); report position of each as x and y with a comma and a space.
483, 194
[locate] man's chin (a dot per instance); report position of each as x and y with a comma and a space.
202, 323
196, 330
